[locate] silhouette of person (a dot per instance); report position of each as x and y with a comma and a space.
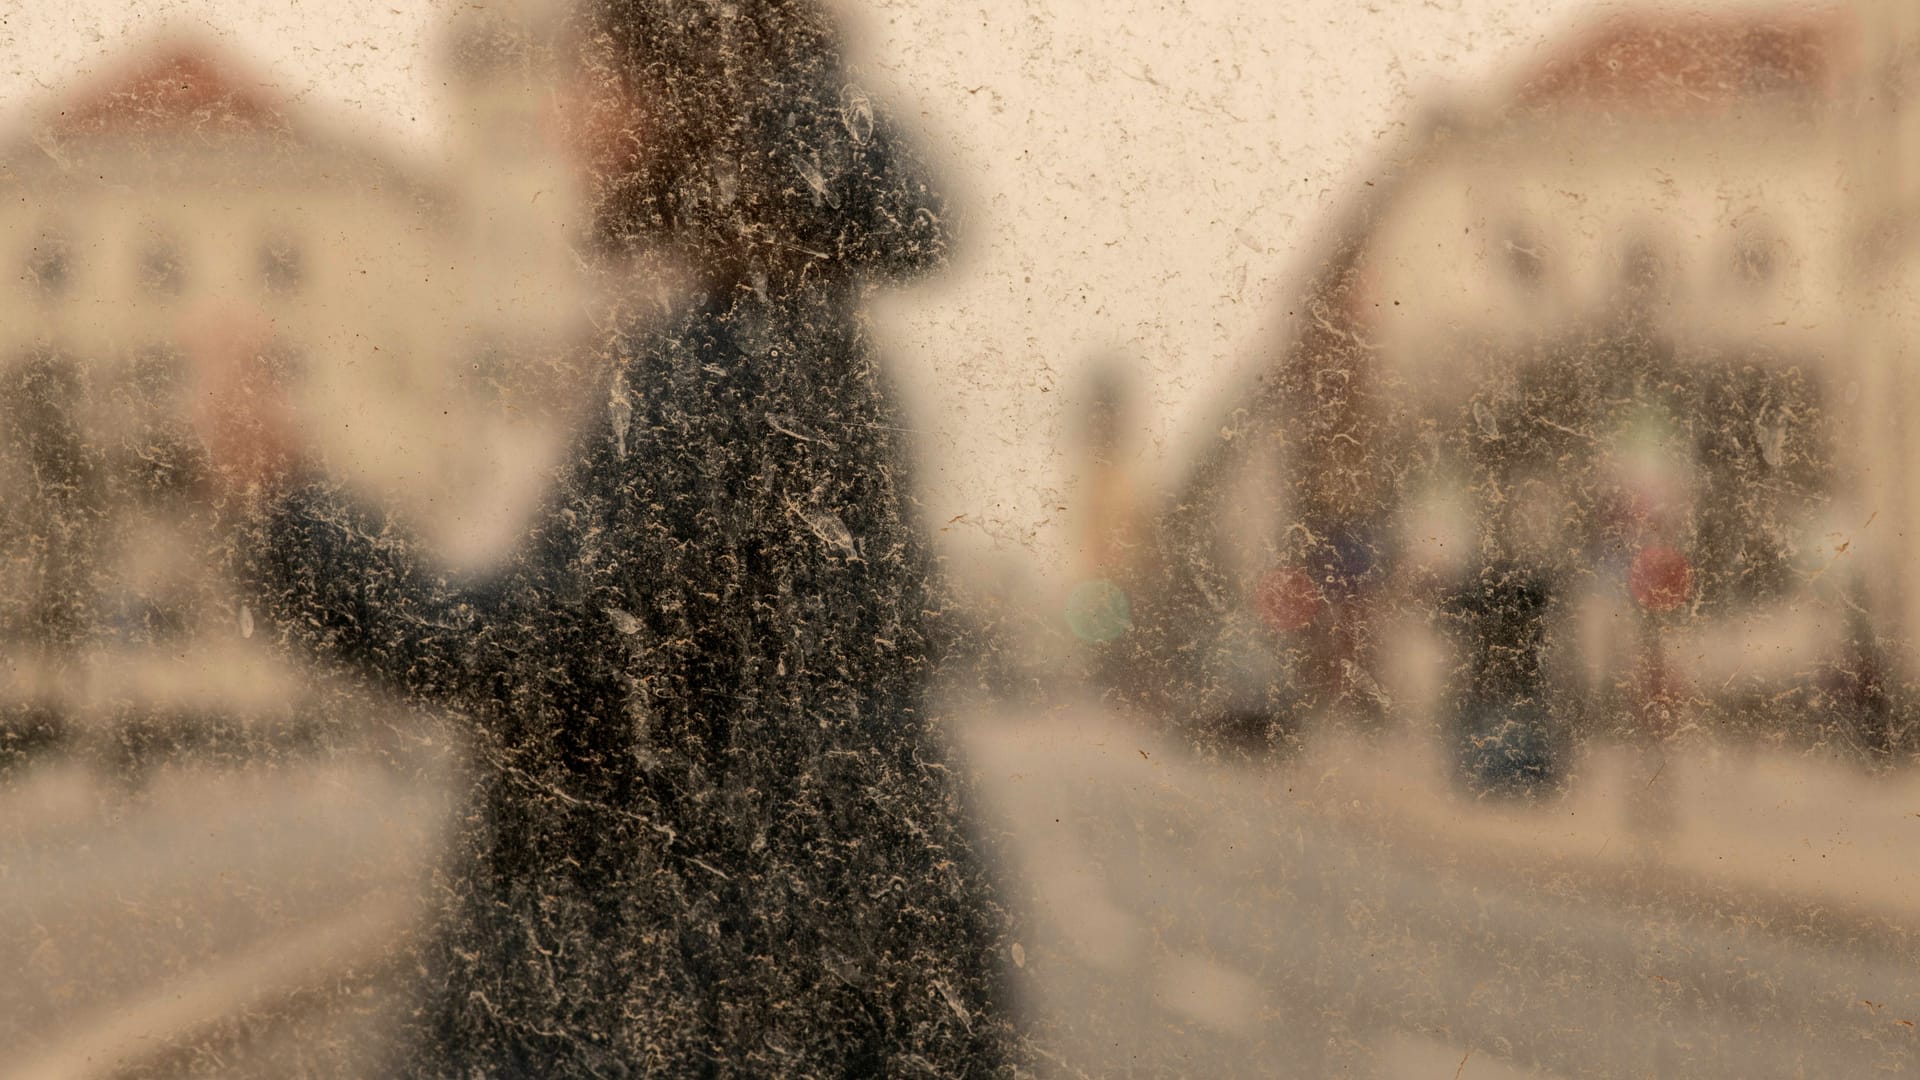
713, 832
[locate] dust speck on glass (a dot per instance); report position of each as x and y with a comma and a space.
619, 538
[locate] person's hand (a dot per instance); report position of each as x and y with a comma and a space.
240, 407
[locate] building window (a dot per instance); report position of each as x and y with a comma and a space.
285, 365
162, 268
1645, 272
489, 370
160, 459
50, 266
484, 49
158, 373
1525, 260
283, 266
1756, 258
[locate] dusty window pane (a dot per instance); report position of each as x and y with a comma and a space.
775, 538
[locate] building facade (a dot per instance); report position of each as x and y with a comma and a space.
1649, 299
422, 316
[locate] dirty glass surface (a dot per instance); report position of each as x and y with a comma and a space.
770, 538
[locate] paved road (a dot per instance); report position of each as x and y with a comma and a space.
1347, 914
131, 916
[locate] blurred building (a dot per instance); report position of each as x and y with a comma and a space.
181, 181
1707, 208
1703, 160
413, 302
1885, 306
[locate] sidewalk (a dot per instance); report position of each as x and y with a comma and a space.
1777, 828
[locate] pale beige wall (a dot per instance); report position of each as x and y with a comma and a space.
1439, 266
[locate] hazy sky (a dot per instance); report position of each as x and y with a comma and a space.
1140, 178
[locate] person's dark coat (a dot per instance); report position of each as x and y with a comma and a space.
715, 833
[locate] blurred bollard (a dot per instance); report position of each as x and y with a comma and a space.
1099, 607
1105, 448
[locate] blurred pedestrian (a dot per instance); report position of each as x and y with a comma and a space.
714, 834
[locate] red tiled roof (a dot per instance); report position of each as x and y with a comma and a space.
182, 84
1696, 62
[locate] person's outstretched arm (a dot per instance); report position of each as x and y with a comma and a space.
332, 574
346, 583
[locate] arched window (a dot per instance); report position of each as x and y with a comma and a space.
162, 267
1525, 259
283, 265
1756, 257
1646, 271
49, 265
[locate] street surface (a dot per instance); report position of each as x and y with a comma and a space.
1707, 911
147, 926
1712, 912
